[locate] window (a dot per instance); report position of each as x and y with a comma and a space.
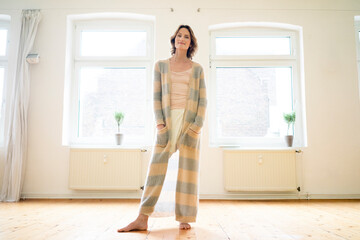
113, 64
255, 78
4, 29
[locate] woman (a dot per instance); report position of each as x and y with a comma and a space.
180, 106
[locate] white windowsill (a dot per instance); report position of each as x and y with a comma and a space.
258, 148
123, 147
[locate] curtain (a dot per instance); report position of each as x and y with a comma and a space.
17, 128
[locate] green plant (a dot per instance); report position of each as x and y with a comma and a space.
119, 117
289, 119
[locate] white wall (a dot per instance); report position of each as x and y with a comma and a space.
331, 162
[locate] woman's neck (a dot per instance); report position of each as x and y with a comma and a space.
180, 56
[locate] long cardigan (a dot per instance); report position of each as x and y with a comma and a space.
195, 109
188, 143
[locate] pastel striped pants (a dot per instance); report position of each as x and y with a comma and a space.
186, 195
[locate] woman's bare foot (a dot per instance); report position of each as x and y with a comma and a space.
184, 226
140, 224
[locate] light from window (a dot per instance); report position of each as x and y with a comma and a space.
3, 41
115, 43
253, 46
250, 101
105, 90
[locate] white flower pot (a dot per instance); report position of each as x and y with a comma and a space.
289, 140
119, 138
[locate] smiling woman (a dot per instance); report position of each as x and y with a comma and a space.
184, 40
180, 105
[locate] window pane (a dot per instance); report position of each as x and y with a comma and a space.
253, 46
119, 43
3, 41
250, 101
102, 91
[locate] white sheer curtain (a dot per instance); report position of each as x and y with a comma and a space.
16, 129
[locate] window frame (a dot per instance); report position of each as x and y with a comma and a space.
110, 61
251, 33
4, 61
293, 60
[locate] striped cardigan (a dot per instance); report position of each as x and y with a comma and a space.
195, 109
187, 193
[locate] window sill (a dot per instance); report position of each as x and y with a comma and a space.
258, 148
122, 147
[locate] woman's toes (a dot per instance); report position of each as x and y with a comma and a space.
185, 226
136, 226
124, 229
127, 228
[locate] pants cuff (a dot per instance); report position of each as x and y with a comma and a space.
146, 210
185, 219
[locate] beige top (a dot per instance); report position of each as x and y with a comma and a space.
179, 88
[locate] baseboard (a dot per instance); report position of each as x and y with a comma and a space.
259, 196
249, 196
330, 196
82, 195
235, 196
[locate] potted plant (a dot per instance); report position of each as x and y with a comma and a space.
119, 117
290, 120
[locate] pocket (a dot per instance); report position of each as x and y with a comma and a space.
191, 139
162, 137
192, 133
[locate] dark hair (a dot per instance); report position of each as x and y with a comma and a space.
193, 43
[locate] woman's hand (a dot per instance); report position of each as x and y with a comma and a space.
160, 126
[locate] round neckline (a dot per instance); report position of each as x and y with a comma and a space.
192, 65
181, 71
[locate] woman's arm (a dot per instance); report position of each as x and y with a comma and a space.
159, 117
201, 111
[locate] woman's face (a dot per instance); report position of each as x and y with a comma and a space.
182, 39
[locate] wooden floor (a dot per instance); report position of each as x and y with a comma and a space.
225, 219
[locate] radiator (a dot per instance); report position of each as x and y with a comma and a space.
105, 169
254, 170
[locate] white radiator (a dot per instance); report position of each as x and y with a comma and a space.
105, 169
260, 170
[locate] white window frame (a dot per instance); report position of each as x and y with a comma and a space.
111, 61
294, 60
4, 24
357, 31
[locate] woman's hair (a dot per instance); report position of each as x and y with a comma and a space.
193, 43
